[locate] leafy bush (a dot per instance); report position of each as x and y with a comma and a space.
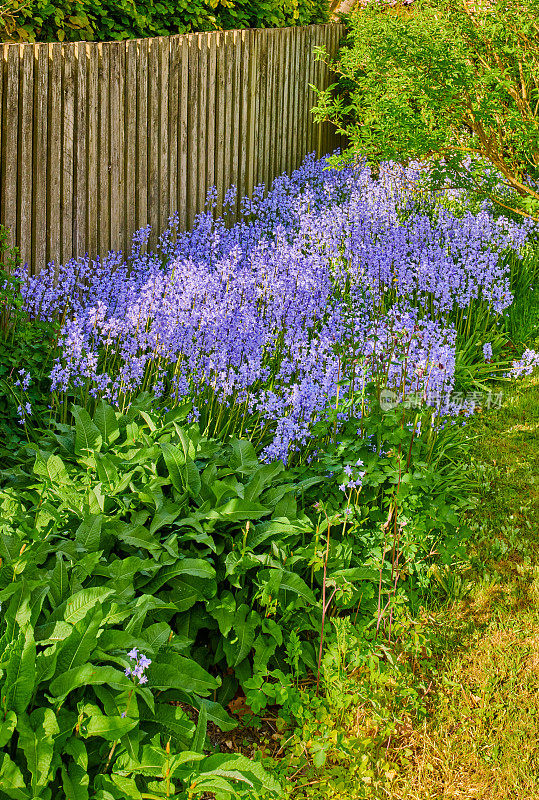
102, 20
450, 81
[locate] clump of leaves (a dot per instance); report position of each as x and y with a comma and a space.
460, 87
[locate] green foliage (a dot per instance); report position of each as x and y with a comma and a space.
448, 81
103, 20
110, 537
25, 344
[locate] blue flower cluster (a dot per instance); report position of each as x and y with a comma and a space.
332, 275
141, 664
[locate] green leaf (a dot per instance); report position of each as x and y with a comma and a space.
182, 470
243, 458
174, 461
88, 534
186, 566
20, 673
36, 734
7, 726
75, 781
87, 435
87, 675
288, 581
238, 510
12, 782
82, 602
82, 641
245, 627
58, 581
108, 728
199, 739
106, 422
173, 671
52, 468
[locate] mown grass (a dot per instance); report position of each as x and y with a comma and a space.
471, 729
481, 737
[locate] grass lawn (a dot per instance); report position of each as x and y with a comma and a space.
480, 739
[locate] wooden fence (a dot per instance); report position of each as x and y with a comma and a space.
100, 139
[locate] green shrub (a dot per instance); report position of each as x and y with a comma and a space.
96, 20
450, 81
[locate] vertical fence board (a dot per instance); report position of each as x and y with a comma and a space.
202, 129
173, 123
163, 69
182, 137
54, 154
153, 139
244, 114
25, 165
103, 170
10, 117
193, 142
68, 145
81, 158
219, 122
115, 138
92, 60
39, 204
130, 127
228, 104
141, 176
235, 129
211, 109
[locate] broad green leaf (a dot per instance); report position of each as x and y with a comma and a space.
12, 782
238, 510
75, 781
173, 720
7, 726
354, 574
88, 534
186, 566
51, 467
174, 461
107, 472
253, 771
20, 673
152, 762
137, 536
288, 581
223, 608
36, 739
82, 641
181, 468
238, 644
106, 422
82, 602
243, 458
87, 675
199, 739
87, 435
172, 671
58, 581
108, 728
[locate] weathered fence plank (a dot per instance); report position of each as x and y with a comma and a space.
100, 139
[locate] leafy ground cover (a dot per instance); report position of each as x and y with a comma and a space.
232, 480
